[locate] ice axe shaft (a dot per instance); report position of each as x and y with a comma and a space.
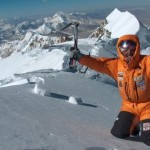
75, 26
75, 29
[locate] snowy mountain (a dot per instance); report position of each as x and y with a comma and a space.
35, 42
46, 106
10, 28
118, 23
45, 32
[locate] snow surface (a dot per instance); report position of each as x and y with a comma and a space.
44, 106
31, 61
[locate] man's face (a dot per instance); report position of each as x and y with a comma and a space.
127, 49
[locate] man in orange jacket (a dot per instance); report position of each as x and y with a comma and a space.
132, 73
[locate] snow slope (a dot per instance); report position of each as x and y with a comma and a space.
34, 122
32, 61
38, 107
41, 117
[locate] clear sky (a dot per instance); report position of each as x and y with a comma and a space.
17, 8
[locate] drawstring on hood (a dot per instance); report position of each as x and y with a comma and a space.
136, 57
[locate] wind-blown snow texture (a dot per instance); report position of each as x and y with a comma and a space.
44, 106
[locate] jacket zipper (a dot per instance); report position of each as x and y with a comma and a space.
137, 96
126, 90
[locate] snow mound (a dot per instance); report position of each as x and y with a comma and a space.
40, 88
121, 23
75, 100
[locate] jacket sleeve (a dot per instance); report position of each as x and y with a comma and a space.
104, 65
148, 65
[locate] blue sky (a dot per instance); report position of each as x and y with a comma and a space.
17, 8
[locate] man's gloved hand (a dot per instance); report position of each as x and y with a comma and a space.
75, 53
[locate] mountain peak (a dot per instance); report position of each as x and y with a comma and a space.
60, 17
121, 23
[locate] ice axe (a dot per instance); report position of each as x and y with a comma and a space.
74, 48
73, 60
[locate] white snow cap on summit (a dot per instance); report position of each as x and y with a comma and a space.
121, 23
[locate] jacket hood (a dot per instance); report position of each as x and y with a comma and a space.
136, 57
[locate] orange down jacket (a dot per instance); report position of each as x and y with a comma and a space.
133, 79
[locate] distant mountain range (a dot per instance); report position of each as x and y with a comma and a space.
25, 34
17, 34
15, 29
